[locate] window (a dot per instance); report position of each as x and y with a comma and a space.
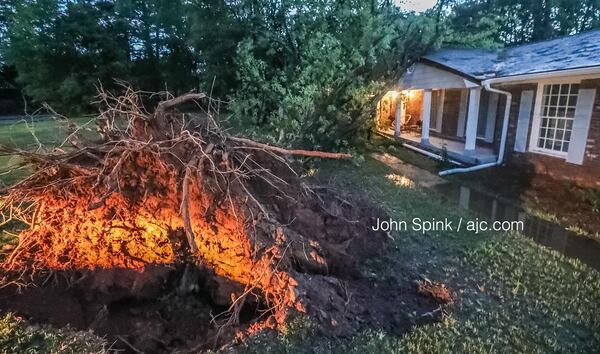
556, 117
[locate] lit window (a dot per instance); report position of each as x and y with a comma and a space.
556, 116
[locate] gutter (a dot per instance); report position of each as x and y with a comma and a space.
486, 84
588, 70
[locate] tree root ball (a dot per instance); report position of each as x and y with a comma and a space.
168, 189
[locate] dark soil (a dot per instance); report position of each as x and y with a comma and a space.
156, 319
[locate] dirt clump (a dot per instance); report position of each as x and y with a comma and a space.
436, 291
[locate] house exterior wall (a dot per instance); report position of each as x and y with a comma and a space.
451, 108
586, 174
450, 119
413, 106
423, 76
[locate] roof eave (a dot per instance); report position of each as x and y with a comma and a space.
586, 70
442, 66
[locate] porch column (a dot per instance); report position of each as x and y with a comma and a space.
399, 110
472, 118
426, 113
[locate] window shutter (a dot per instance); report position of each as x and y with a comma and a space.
523, 120
581, 125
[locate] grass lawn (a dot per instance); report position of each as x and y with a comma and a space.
33, 136
512, 295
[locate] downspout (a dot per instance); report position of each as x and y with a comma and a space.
502, 138
430, 154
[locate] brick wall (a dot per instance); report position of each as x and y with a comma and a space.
414, 106
587, 174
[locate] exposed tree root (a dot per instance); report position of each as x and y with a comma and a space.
168, 188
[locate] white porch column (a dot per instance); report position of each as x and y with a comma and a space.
399, 109
462, 113
472, 118
426, 113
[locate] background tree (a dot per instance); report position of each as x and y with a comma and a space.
494, 23
62, 49
299, 72
313, 78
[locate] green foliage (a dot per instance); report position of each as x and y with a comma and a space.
591, 196
315, 84
16, 336
62, 49
490, 24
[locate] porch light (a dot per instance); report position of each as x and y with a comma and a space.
408, 93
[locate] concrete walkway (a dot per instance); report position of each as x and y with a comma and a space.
407, 173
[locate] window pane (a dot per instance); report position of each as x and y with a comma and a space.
553, 100
567, 136
561, 123
541, 143
557, 145
555, 89
546, 89
564, 89
563, 100
574, 89
548, 144
561, 112
569, 124
573, 101
566, 147
570, 112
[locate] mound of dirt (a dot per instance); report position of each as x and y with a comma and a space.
170, 211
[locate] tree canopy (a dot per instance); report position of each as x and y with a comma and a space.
300, 72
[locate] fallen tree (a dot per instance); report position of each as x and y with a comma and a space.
170, 189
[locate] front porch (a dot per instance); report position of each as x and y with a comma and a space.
438, 110
454, 149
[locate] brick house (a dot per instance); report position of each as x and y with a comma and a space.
536, 104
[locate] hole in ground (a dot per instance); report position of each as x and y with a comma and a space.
146, 309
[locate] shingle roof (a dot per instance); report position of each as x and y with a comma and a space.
569, 52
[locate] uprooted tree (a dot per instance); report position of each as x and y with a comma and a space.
167, 188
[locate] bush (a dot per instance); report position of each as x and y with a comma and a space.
317, 86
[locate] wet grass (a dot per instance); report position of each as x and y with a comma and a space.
512, 295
